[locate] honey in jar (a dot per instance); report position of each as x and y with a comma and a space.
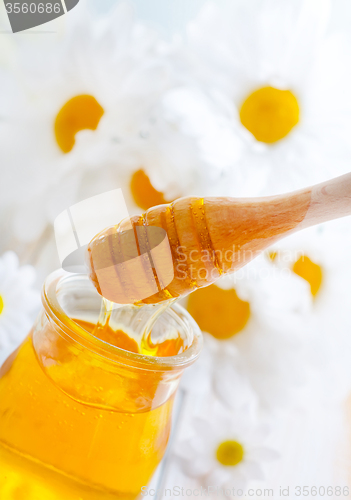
85, 414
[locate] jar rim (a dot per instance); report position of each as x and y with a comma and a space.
69, 328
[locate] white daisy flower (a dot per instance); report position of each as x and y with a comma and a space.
261, 314
164, 162
315, 255
224, 449
105, 114
198, 141
220, 373
320, 257
101, 82
284, 86
19, 302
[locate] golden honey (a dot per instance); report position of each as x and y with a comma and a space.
85, 417
173, 249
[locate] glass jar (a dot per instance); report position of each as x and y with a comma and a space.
80, 418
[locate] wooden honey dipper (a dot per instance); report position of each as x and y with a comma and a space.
206, 238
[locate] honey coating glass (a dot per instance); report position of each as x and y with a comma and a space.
81, 419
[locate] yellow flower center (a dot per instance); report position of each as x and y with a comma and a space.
219, 312
230, 453
79, 113
144, 194
310, 272
270, 114
1, 304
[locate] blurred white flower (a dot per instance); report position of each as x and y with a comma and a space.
198, 143
19, 302
101, 81
104, 109
283, 85
220, 373
260, 318
320, 257
223, 448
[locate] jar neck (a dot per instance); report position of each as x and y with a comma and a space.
94, 372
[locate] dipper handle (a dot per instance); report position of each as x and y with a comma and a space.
206, 237
329, 200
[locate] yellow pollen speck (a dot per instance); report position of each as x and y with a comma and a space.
79, 113
230, 453
219, 312
1, 304
270, 114
309, 271
144, 194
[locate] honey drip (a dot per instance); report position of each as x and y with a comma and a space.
132, 330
